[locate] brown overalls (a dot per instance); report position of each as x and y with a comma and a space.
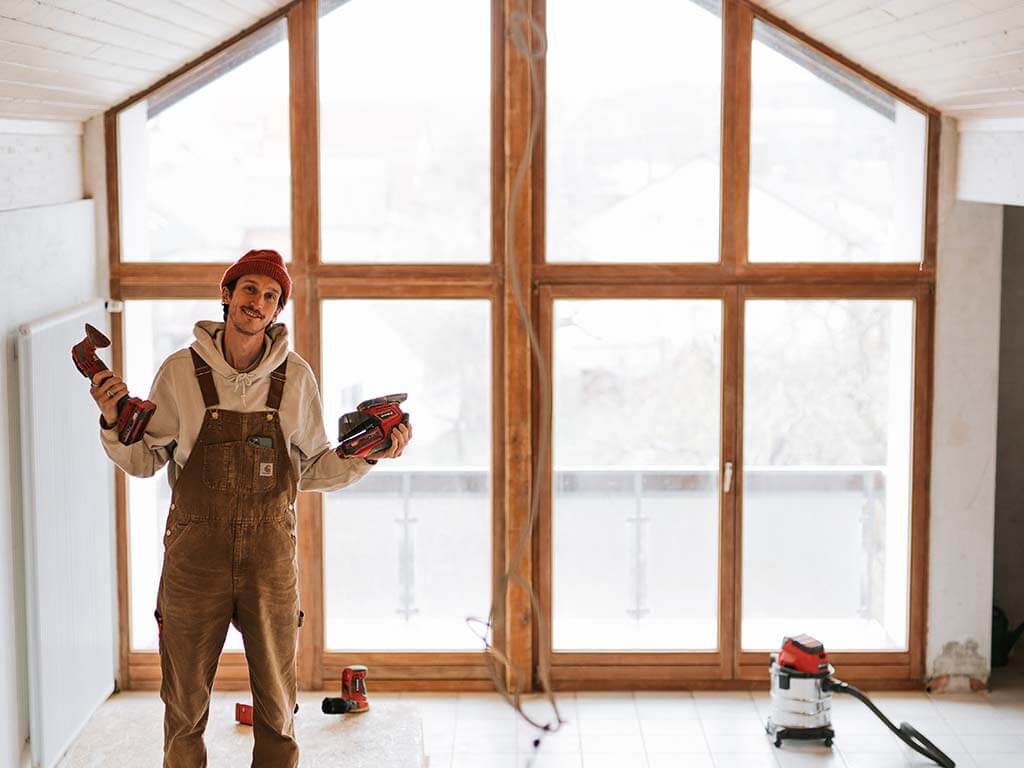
230, 557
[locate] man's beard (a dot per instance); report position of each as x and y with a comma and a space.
246, 332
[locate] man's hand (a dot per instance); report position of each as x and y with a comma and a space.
107, 388
400, 437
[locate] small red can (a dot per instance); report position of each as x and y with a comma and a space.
243, 714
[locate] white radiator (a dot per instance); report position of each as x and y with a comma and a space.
67, 489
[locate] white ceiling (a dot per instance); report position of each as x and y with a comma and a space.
71, 59
963, 57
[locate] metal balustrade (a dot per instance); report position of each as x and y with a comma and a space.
632, 487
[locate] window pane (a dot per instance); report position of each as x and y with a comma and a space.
636, 454
826, 478
633, 112
407, 549
153, 331
405, 130
204, 163
837, 166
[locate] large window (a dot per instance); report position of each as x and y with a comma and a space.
404, 131
204, 163
633, 105
407, 551
826, 463
725, 242
836, 163
636, 446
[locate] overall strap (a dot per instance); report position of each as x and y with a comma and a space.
205, 376
277, 379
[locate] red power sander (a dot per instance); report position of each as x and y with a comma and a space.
353, 693
368, 428
801, 698
133, 413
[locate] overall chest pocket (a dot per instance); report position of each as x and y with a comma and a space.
220, 466
265, 469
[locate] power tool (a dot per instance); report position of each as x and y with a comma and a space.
353, 693
368, 428
133, 413
801, 699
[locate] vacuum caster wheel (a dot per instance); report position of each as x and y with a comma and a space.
778, 741
828, 742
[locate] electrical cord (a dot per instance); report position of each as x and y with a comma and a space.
908, 733
529, 40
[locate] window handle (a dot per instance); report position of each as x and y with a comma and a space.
727, 478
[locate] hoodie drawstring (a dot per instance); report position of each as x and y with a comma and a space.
242, 382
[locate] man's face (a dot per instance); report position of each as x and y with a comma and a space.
254, 304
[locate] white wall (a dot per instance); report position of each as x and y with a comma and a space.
991, 161
991, 165
964, 431
94, 179
40, 163
40, 172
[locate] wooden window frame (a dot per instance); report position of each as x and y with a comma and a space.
515, 414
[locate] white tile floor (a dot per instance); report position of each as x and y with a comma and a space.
617, 730
719, 730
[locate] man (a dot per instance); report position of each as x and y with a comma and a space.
239, 423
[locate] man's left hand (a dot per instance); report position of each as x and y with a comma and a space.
400, 437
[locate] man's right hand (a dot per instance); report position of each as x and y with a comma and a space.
107, 389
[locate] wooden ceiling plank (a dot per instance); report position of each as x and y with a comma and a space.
218, 9
829, 13
189, 17
257, 8
115, 54
15, 9
944, 72
920, 25
868, 20
979, 48
55, 78
897, 50
43, 110
994, 5
791, 8
29, 34
40, 58
901, 9
955, 89
93, 103
996, 23
141, 18
985, 100
1003, 111
105, 33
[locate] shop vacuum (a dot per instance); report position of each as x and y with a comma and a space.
801, 699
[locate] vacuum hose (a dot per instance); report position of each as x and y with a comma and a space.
908, 733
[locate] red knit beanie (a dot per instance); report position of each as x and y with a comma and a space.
267, 263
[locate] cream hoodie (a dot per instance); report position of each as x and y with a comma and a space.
174, 427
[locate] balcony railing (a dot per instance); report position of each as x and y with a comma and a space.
862, 487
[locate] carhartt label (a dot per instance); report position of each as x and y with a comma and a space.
266, 469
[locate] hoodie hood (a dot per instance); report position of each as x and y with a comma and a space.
209, 344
